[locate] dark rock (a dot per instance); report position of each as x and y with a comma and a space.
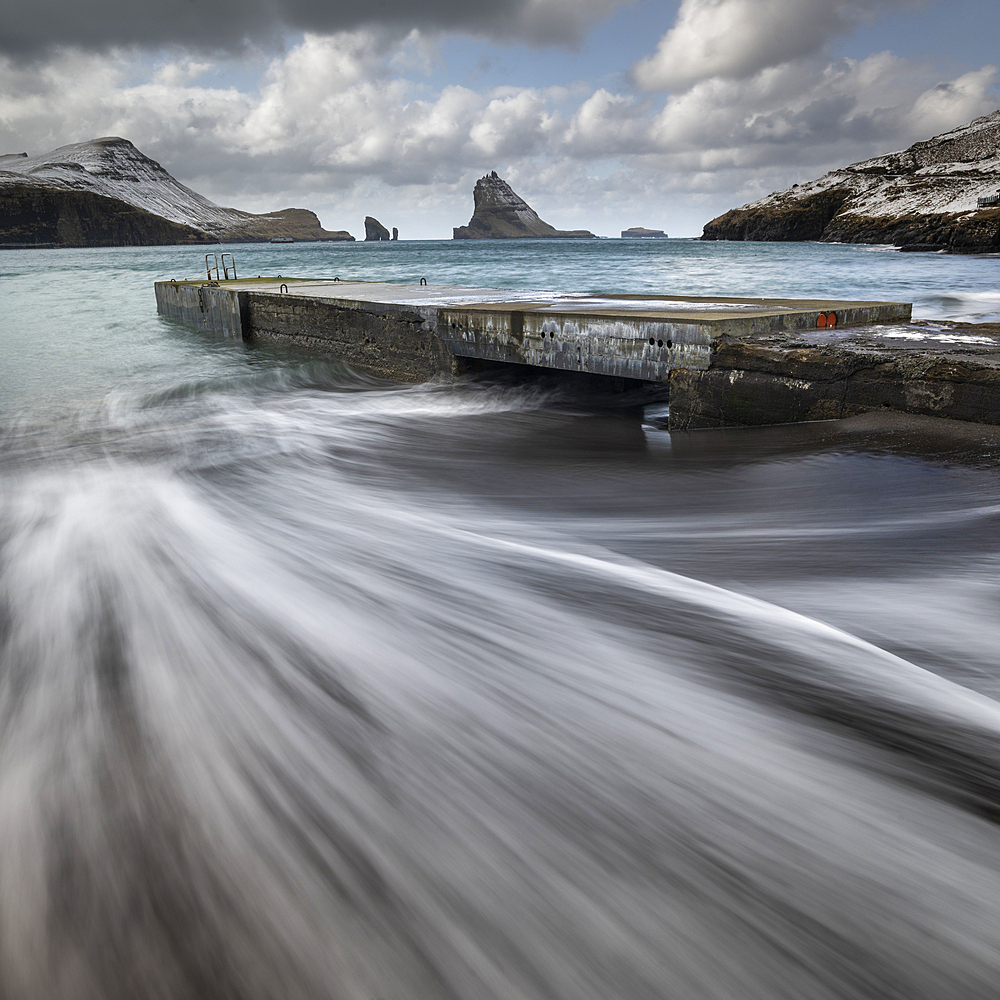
795, 219
500, 214
395, 233
374, 230
639, 233
753, 383
33, 216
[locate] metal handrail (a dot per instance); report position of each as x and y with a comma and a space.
226, 268
209, 266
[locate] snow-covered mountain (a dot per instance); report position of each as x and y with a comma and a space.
114, 168
927, 193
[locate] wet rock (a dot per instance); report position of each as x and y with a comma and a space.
754, 383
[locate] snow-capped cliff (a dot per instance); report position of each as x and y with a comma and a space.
927, 193
113, 168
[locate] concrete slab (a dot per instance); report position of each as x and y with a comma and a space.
631, 336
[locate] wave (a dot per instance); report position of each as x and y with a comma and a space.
283, 718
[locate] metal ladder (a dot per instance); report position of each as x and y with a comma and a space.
212, 264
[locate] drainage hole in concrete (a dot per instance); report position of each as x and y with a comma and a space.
670, 344
659, 343
651, 340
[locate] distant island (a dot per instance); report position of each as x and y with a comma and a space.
500, 214
105, 192
639, 233
938, 194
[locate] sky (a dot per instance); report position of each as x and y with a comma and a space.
602, 114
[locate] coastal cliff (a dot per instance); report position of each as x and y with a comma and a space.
105, 192
500, 214
925, 195
39, 216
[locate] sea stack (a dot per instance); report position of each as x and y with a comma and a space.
374, 230
500, 214
936, 194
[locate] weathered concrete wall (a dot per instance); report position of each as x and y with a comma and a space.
622, 348
391, 343
207, 305
754, 384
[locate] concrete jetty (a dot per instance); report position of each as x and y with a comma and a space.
418, 332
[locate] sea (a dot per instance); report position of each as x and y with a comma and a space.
314, 685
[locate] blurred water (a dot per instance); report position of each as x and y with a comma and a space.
312, 686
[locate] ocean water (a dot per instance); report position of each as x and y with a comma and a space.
315, 686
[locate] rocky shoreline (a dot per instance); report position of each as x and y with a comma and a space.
951, 372
925, 196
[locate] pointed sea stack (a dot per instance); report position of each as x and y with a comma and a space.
936, 194
500, 214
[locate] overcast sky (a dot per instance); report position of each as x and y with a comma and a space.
602, 114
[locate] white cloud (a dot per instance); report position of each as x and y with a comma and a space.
608, 125
835, 112
738, 38
948, 104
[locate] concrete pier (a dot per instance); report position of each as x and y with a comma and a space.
416, 332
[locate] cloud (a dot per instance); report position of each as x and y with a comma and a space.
345, 123
738, 38
801, 113
28, 30
953, 102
